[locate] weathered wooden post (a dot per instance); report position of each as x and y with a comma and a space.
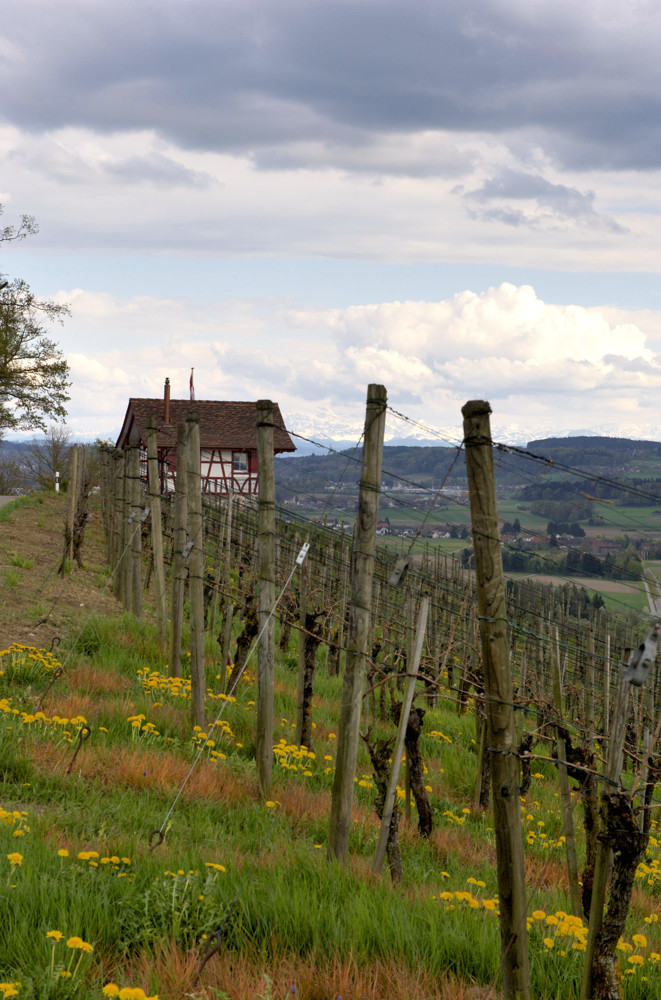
603, 854
228, 608
118, 520
179, 560
499, 699
409, 693
565, 791
195, 569
301, 727
71, 502
135, 527
156, 531
363, 555
266, 648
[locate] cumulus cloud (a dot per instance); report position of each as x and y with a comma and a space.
536, 362
507, 322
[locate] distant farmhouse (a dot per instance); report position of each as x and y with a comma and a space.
228, 439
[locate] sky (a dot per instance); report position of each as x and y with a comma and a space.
458, 199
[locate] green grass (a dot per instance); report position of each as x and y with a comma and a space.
625, 601
20, 561
289, 900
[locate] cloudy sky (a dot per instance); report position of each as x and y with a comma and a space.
457, 198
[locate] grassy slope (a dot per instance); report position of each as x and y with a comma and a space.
293, 917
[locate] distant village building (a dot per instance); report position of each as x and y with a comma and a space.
228, 439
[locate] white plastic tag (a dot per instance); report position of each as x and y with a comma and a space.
300, 559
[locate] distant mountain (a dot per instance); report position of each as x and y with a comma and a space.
12, 448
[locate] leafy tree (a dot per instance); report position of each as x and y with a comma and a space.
34, 375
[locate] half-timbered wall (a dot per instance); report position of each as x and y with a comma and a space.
222, 470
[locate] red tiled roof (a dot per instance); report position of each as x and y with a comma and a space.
223, 424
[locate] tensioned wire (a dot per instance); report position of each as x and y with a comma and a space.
513, 548
569, 581
578, 501
544, 640
550, 463
460, 595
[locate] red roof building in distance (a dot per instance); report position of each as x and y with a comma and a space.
228, 439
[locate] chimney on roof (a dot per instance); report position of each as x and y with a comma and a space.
166, 402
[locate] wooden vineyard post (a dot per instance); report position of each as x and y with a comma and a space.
565, 792
135, 527
196, 570
228, 608
156, 531
71, 503
602, 860
362, 560
607, 685
499, 698
301, 726
118, 518
126, 570
210, 623
179, 560
410, 642
409, 692
266, 647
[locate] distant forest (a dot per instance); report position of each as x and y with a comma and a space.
622, 461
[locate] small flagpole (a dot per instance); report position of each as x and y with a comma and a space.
192, 388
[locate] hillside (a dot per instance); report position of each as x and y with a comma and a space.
619, 458
39, 605
90, 911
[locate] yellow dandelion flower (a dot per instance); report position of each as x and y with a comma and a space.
549, 943
15, 859
55, 935
76, 942
110, 990
636, 959
639, 940
538, 915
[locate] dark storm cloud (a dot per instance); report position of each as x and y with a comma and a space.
581, 80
